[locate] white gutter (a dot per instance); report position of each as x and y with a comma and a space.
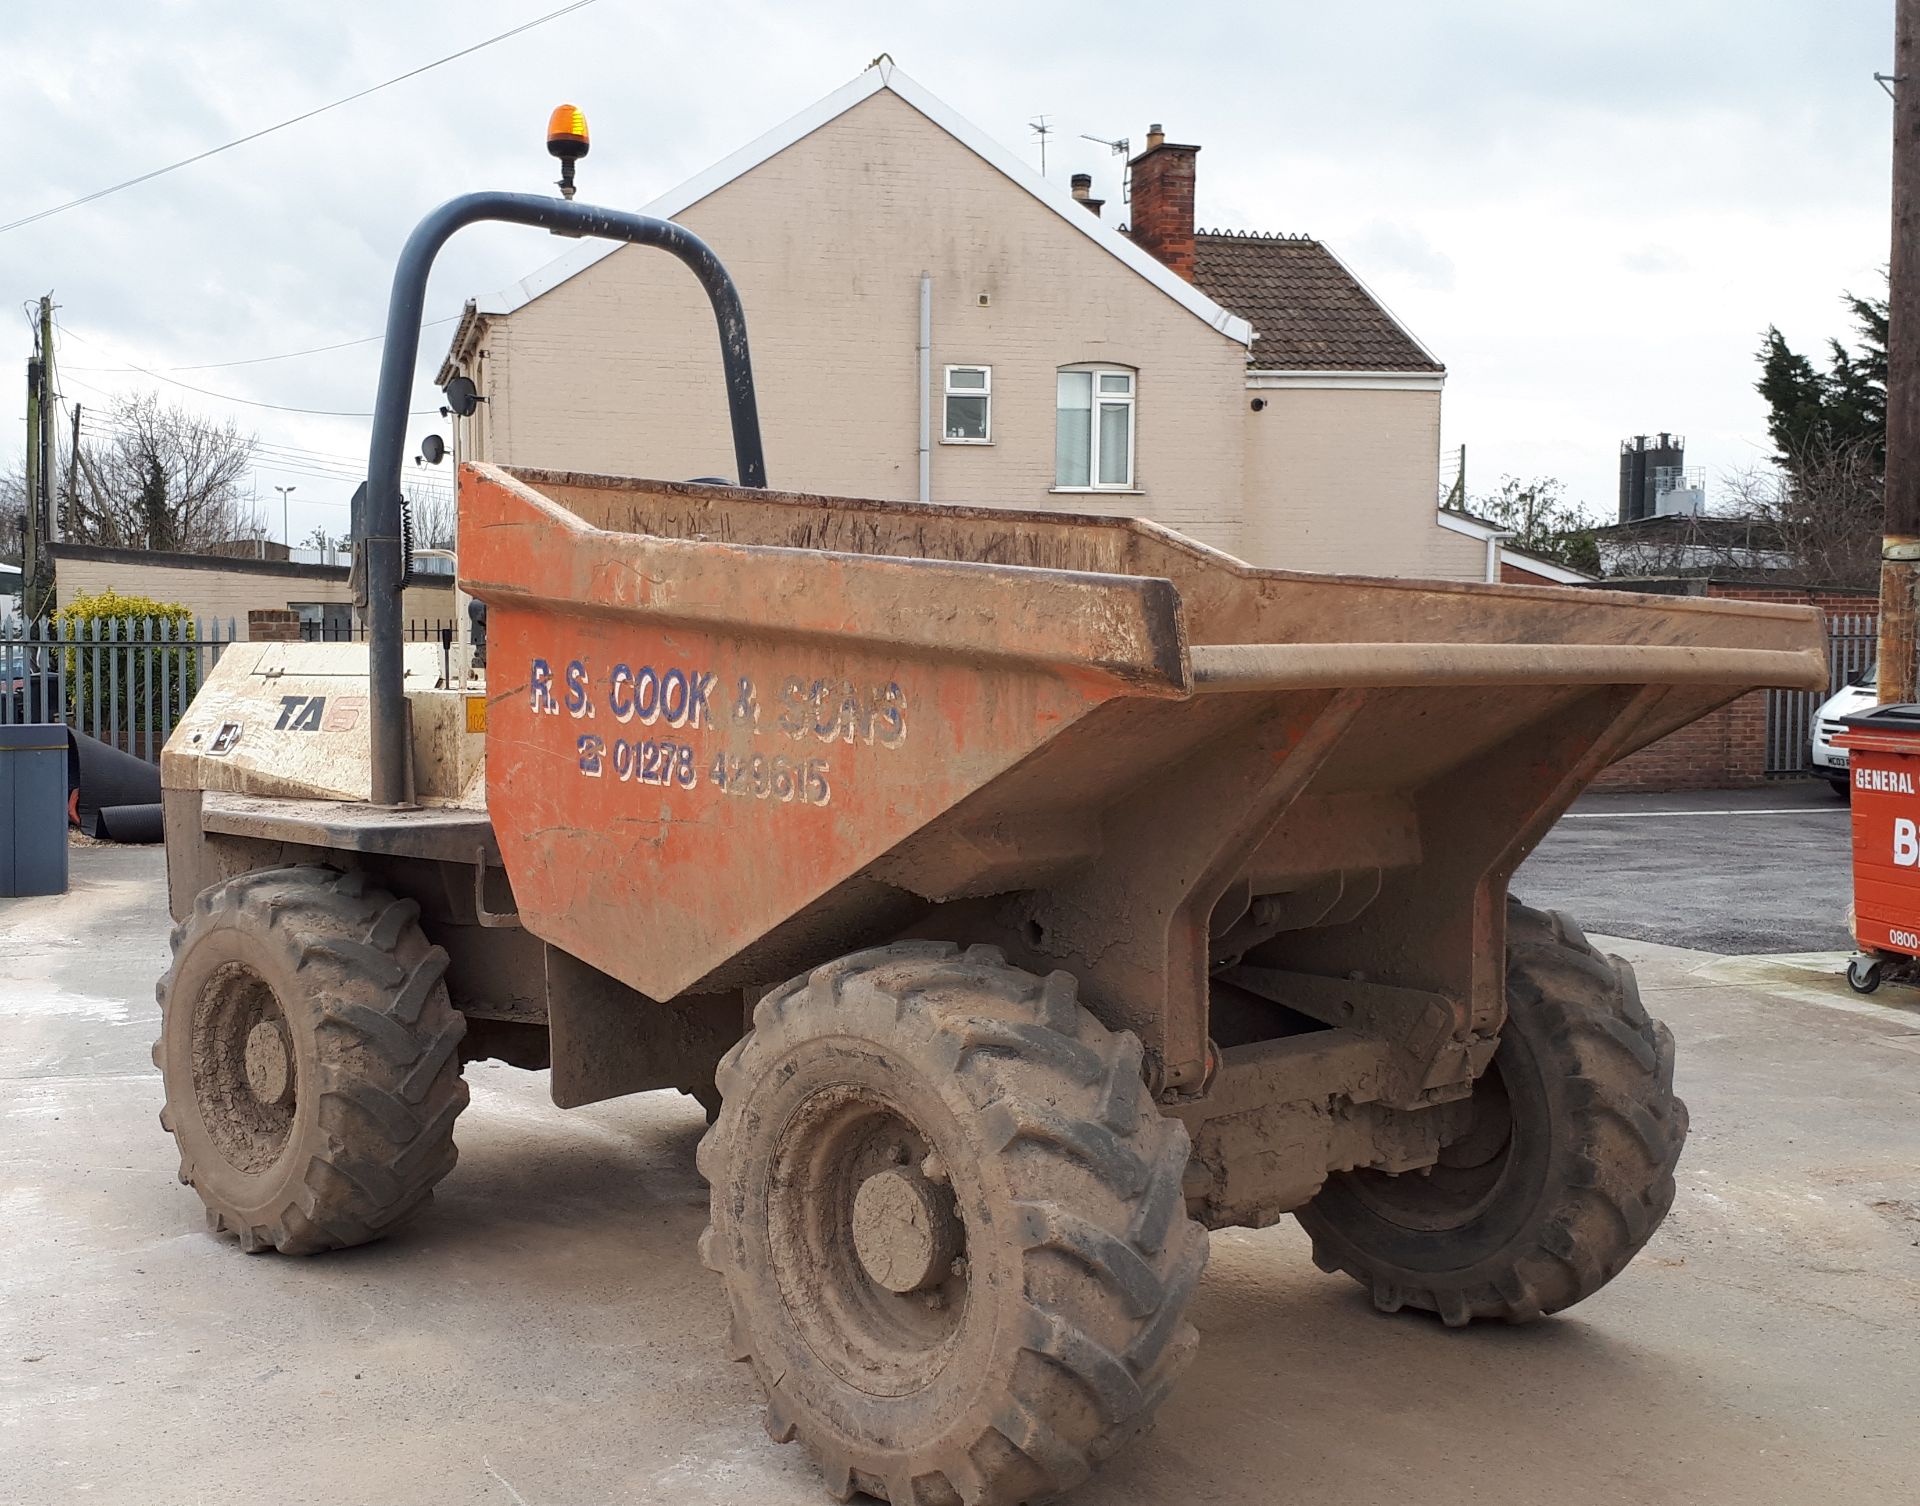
1546, 569
1475, 530
1362, 381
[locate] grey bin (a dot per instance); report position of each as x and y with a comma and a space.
33, 809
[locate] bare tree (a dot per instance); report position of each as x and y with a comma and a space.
435, 517
1817, 522
13, 512
1824, 514
161, 477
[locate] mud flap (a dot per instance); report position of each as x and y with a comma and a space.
610, 1040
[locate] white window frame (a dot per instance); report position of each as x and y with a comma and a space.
984, 390
1131, 400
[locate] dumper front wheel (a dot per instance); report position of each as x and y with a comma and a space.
950, 1224
1565, 1170
309, 1054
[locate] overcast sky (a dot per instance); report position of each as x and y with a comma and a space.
1590, 213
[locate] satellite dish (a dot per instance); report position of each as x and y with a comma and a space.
433, 449
462, 396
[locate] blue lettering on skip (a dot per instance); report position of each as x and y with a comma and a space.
540, 687
578, 704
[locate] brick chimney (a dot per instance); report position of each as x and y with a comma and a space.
1162, 192
1083, 191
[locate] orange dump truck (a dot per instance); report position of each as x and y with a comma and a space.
1024, 895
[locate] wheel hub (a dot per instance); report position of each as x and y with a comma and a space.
268, 1066
244, 1073
905, 1230
865, 1237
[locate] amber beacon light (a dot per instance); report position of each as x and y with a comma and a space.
567, 140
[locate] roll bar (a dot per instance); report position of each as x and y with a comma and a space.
376, 525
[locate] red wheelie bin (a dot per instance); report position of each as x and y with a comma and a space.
1883, 753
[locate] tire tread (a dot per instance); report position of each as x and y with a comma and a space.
1054, 1091
389, 1087
1626, 1128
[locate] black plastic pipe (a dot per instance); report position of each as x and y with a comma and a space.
378, 546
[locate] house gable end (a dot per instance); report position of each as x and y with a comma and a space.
878, 79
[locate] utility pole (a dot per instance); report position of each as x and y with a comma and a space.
30, 594
36, 557
72, 521
49, 449
1900, 548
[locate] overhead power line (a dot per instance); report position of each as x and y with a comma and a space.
313, 351
94, 421
105, 427
290, 355
286, 355
268, 455
228, 397
214, 151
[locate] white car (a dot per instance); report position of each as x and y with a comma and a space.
1826, 760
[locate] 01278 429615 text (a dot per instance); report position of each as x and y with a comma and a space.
668, 707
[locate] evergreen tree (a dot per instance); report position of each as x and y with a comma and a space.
1813, 412
152, 505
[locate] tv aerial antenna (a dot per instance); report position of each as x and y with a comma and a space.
1041, 131
1120, 148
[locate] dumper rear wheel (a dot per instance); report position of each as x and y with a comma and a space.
950, 1224
1565, 1171
309, 1054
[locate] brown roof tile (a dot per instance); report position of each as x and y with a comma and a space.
1309, 311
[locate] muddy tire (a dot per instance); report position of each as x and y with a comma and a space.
310, 1058
950, 1224
1566, 1171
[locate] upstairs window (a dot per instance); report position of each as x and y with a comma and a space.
969, 412
1093, 434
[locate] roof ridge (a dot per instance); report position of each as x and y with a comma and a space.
1310, 310
873, 80
1260, 235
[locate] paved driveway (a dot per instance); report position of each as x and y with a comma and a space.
1747, 871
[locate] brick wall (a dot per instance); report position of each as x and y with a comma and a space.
1724, 750
1513, 573
1161, 211
273, 625
1826, 598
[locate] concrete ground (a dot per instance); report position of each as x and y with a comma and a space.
545, 1335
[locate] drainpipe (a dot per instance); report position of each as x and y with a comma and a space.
926, 387
1493, 556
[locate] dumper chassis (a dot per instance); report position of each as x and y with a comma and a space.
1023, 895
